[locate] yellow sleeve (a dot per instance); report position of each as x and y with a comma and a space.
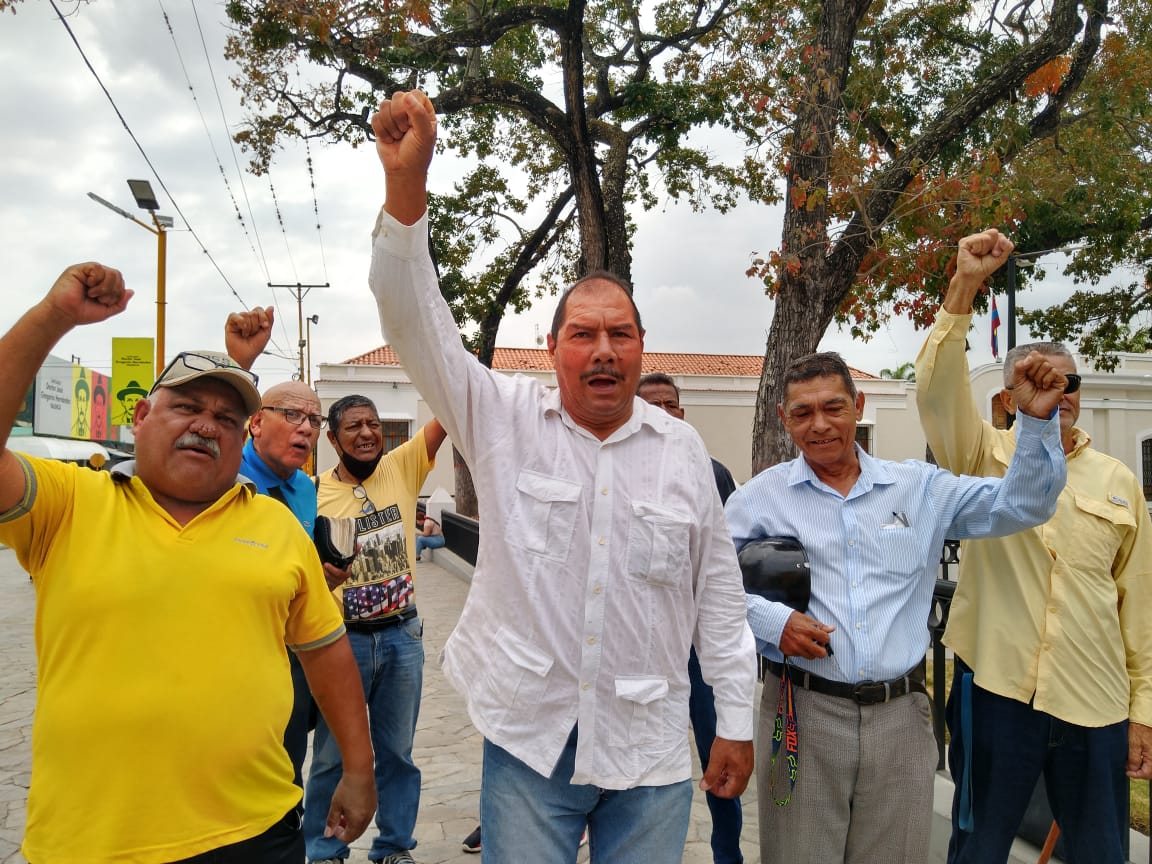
413, 455
30, 527
315, 618
1132, 570
956, 432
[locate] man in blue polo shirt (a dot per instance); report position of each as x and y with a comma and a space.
283, 436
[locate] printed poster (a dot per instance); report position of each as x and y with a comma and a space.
81, 401
98, 407
132, 376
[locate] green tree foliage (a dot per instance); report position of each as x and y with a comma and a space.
904, 125
573, 111
906, 371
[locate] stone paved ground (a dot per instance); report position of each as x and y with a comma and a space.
447, 747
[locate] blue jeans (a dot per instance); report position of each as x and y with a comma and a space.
727, 818
391, 663
1013, 745
436, 541
532, 819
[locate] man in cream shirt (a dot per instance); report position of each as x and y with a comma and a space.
1049, 626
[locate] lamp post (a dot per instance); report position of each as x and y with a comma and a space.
308, 322
146, 200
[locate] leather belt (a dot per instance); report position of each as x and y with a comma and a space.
371, 625
862, 693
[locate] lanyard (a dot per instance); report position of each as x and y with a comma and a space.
786, 732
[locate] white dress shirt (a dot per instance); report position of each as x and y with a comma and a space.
600, 562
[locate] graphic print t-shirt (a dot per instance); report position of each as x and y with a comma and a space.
381, 582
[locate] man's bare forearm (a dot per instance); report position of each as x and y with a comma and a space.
23, 350
334, 681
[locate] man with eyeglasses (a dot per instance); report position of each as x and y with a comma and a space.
163, 687
283, 435
603, 558
379, 490
1053, 650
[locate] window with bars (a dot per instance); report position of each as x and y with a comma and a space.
864, 437
1146, 466
395, 433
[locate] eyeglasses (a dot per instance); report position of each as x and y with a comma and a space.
360, 492
204, 363
296, 417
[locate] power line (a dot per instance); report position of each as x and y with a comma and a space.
312, 183
231, 145
207, 132
239, 172
140, 148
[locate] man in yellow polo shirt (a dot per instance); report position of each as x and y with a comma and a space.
163, 685
1049, 626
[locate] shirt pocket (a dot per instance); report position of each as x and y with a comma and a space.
543, 516
658, 545
518, 671
640, 702
900, 552
1097, 532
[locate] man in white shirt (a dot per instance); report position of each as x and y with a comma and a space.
604, 558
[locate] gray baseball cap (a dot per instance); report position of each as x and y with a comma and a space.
190, 365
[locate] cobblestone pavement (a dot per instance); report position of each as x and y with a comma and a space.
447, 747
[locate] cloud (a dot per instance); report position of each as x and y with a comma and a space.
61, 139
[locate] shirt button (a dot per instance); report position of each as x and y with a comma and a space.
1047, 647
854, 583
601, 541
597, 590
858, 625
851, 542
585, 686
604, 491
591, 640
1052, 609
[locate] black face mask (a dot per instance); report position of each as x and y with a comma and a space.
361, 469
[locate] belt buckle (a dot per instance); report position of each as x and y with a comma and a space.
871, 692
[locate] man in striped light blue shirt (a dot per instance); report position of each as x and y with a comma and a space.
873, 530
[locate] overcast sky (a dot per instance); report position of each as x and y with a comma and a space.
61, 139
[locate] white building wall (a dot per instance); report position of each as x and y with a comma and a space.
1116, 410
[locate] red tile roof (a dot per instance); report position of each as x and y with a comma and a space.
537, 360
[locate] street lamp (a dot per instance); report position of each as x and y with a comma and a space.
308, 322
146, 200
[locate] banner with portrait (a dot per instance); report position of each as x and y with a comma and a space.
132, 375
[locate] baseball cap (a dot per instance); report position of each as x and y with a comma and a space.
190, 365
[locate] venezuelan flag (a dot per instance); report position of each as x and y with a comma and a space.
995, 329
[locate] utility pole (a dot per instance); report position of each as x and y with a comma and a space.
300, 291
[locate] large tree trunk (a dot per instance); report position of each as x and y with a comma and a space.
809, 287
579, 148
816, 275
615, 218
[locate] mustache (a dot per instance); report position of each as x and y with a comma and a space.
603, 371
190, 439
